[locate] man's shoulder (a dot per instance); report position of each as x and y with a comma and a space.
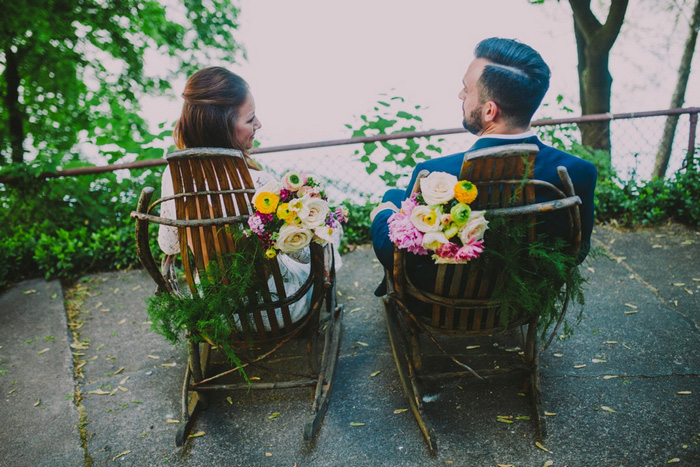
444, 163
564, 158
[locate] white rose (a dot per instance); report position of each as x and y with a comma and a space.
318, 211
474, 228
438, 187
433, 240
425, 219
293, 238
324, 234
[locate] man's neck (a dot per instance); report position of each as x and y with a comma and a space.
510, 135
502, 129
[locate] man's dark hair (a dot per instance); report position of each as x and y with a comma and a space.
516, 80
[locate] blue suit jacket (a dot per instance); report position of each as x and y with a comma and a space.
583, 175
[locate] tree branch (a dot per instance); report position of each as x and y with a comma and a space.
613, 24
587, 23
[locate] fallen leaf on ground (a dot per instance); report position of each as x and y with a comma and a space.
274, 415
472, 347
375, 373
631, 306
169, 365
230, 401
136, 288
579, 366
355, 309
170, 420
120, 455
122, 389
548, 463
592, 270
631, 312
398, 411
684, 393
679, 284
43, 351
597, 360
121, 322
550, 414
364, 344
607, 409
116, 290
27, 292
539, 445
558, 355
356, 424
268, 454
124, 380
38, 401
197, 435
609, 376
673, 461
119, 371
154, 357
611, 342
99, 392
523, 417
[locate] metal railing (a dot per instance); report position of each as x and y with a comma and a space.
651, 143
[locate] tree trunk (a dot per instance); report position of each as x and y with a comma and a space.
664, 153
15, 119
593, 43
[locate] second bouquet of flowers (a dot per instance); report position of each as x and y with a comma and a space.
438, 221
291, 213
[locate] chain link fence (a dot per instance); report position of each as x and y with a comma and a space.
635, 141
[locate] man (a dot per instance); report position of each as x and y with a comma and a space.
502, 88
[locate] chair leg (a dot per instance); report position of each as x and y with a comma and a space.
407, 372
329, 358
533, 361
193, 402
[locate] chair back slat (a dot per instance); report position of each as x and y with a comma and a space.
504, 179
214, 187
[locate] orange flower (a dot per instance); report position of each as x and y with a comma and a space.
465, 191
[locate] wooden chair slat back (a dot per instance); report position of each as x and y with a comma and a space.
213, 184
503, 177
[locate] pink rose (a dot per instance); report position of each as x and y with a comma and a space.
447, 250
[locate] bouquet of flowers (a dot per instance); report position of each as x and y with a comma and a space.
438, 221
291, 213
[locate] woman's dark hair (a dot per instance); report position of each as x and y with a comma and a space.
516, 79
213, 97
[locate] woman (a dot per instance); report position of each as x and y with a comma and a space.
219, 111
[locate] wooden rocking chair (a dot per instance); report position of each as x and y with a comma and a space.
461, 303
213, 191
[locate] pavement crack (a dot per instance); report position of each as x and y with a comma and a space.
74, 296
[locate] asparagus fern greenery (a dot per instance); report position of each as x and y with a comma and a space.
220, 310
533, 275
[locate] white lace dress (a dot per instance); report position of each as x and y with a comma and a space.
295, 268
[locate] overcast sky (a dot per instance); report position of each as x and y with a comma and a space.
314, 65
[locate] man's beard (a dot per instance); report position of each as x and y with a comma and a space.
473, 123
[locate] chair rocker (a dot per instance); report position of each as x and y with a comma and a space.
461, 302
213, 192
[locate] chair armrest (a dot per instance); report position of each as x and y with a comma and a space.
143, 247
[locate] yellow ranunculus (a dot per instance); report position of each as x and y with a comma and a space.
465, 191
284, 213
270, 253
266, 202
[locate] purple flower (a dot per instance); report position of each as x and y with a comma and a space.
256, 224
285, 194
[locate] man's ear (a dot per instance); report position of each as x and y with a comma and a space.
490, 111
